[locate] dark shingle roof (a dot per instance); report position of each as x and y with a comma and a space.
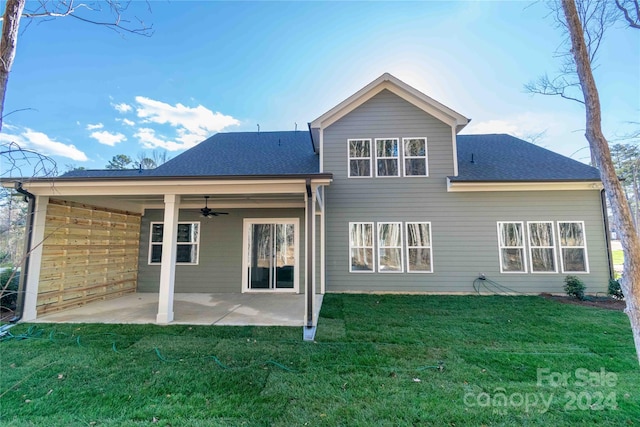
246, 153
105, 173
500, 157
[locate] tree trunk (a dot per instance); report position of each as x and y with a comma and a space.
8, 43
630, 283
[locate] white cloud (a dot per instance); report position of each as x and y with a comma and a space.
122, 107
108, 138
42, 143
149, 139
96, 126
128, 122
192, 124
524, 125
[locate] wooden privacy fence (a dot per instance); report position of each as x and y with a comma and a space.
89, 253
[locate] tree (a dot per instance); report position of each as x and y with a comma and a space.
109, 14
120, 161
630, 282
630, 9
626, 158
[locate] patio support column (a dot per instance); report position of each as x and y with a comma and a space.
35, 260
309, 331
168, 263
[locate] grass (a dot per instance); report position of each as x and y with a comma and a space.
387, 360
618, 257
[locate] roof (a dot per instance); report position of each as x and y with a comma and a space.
106, 173
246, 153
501, 157
400, 88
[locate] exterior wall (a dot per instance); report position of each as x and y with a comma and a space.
220, 259
464, 225
88, 254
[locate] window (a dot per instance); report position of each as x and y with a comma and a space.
573, 247
419, 254
542, 249
415, 156
511, 245
387, 157
361, 247
390, 247
359, 157
187, 243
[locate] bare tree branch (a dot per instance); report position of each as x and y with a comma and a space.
21, 162
634, 22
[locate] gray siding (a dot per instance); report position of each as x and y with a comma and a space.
220, 259
464, 230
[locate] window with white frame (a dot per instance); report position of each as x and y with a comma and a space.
511, 247
415, 156
542, 248
188, 239
390, 247
359, 157
387, 157
361, 253
573, 247
419, 253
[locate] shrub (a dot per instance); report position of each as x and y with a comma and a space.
574, 287
10, 294
614, 289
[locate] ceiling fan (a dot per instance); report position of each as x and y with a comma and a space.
207, 212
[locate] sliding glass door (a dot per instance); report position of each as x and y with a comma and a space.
271, 255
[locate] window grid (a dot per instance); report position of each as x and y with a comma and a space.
571, 243
511, 247
359, 151
418, 161
419, 242
187, 245
390, 258
361, 250
546, 253
387, 157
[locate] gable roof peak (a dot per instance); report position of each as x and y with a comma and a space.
399, 88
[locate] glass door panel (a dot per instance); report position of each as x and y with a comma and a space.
272, 256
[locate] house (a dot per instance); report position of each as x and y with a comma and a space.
381, 194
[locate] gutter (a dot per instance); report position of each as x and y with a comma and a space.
607, 233
24, 272
310, 260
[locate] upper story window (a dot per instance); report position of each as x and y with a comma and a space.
573, 247
387, 157
415, 156
188, 240
359, 157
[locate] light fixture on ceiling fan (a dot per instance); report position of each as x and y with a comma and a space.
207, 212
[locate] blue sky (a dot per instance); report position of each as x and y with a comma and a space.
216, 66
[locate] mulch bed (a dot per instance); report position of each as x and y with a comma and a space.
607, 303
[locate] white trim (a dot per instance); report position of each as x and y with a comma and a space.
531, 247
425, 157
372, 247
322, 252
30, 312
196, 243
584, 247
380, 247
246, 224
454, 143
430, 247
168, 264
396, 158
523, 248
349, 158
399, 88
321, 132
453, 187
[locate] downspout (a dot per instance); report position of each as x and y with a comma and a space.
309, 268
607, 233
31, 199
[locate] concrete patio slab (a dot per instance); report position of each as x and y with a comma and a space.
193, 309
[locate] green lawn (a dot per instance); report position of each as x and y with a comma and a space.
618, 257
377, 361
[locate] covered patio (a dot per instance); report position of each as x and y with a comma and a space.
193, 309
